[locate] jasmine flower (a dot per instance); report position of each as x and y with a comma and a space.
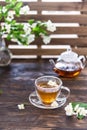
21, 106
76, 108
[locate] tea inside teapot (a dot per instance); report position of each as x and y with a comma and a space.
67, 70
69, 64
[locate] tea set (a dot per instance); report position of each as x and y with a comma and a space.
49, 90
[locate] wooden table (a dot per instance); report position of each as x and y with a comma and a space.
17, 82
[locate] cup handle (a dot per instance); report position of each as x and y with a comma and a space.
64, 94
66, 89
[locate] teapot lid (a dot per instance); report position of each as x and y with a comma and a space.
69, 56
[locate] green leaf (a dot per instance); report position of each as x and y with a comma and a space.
80, 116
31, 21
9, 37
0, 12
7, 0
10, 1
13, 22
80, 104
0, 17
18, 5
9, 7
0, 7
13, 1
17, 8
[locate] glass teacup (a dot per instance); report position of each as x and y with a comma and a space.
48, 89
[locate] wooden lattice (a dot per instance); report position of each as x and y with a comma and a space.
77, 27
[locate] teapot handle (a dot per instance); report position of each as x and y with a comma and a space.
52, 62
83, 61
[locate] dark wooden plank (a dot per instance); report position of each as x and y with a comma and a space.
55, 6
51, 52
80, 50
70, 41
81, 19
58, 6
38, 52
82, 30
81, 41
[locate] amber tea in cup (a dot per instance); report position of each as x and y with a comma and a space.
48, 88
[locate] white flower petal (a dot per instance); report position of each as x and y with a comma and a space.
54, 104
81, 111
52, 83
50, 26
25, 10
69, 110
34, 25
21, 106
4, 9
27, 28
31, 38
46, 39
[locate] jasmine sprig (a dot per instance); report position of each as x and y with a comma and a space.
76, 108
22, 33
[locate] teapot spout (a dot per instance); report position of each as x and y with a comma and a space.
52, 62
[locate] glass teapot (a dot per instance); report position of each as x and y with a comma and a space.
69, 64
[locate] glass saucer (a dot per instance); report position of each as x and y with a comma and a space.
34, 100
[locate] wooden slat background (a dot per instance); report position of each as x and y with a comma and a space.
78, 43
